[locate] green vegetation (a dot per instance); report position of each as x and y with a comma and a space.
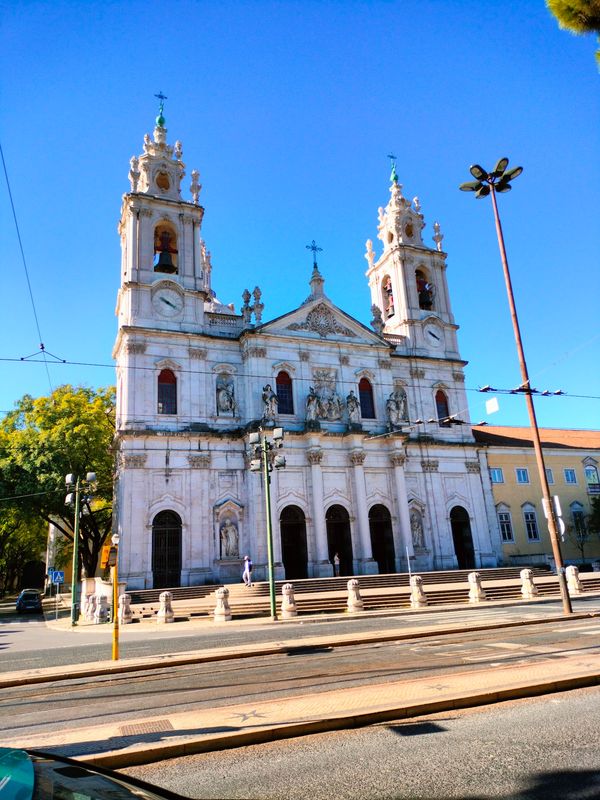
43, 440
577, 16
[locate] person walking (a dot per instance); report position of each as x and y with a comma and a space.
247, 573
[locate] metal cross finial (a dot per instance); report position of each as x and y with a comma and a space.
313, 246
162, 97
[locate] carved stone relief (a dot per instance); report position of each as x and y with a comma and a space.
322, 321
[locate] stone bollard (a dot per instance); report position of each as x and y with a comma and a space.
288, 603
90, 608
165, 610
222, 612
574, 584
418, 598
476, 593
528, 587
101, 612
355, 602
125, 615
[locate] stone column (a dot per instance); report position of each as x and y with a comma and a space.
357, 458
322, 565
277, 555
398, 460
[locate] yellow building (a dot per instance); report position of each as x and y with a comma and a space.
572, 460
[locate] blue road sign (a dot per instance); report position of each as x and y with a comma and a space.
58, 576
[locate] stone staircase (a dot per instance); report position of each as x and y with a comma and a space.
329, 595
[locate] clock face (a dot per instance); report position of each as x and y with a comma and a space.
434, 336
167, 302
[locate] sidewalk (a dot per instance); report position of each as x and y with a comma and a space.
154, 738
176, 734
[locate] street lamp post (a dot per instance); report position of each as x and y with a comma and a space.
113, 560
73, 498
489, 183
262, 460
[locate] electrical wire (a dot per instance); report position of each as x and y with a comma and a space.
35, 315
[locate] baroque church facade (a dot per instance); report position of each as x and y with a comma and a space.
382, 468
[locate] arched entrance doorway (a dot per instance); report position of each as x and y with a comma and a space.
166, 550
463, 540
294, 552
382, 539
339, 539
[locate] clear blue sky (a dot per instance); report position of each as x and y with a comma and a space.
288, 109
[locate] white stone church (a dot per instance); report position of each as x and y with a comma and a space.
382, 466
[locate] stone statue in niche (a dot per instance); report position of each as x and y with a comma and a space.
396, 407
312, 402
225, 395
416, 529
353, 406
270, 403
229, 540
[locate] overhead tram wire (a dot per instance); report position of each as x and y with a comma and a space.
37, 323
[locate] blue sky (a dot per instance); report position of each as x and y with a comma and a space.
289, 110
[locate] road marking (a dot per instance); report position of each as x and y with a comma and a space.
506, 645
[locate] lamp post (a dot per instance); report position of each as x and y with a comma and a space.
263, 460
73, 498
113, 560
489, 183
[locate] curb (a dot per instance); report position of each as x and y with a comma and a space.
64, 673
149, 755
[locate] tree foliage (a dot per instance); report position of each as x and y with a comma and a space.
22, 540
577, 16
43, 440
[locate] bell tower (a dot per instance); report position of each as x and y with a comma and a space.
165, 268
408, 280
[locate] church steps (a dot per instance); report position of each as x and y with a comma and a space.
255, 601
332, 584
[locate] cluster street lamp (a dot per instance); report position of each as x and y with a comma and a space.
264, 459
489, 183
77, 485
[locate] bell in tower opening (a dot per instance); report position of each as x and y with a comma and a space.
165, 250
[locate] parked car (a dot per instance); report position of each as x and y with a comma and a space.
29, 600
35, 775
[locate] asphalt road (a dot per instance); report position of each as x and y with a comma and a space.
27, 642
69, 704
536, 749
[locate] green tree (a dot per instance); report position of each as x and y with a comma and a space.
577, 16
22, 540
43, 440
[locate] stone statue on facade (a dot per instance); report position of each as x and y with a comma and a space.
312, 402
353, 406
225, 395
229, 539
270, 403
396, 407
416, 529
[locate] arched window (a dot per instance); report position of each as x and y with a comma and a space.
591, 477
424, 290
530, 520
505, 523
285, 396
167, 392
578, 516
365, 394
165, 249
441, 407
387, 297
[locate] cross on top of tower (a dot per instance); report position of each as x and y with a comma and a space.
313, 246
160, 120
